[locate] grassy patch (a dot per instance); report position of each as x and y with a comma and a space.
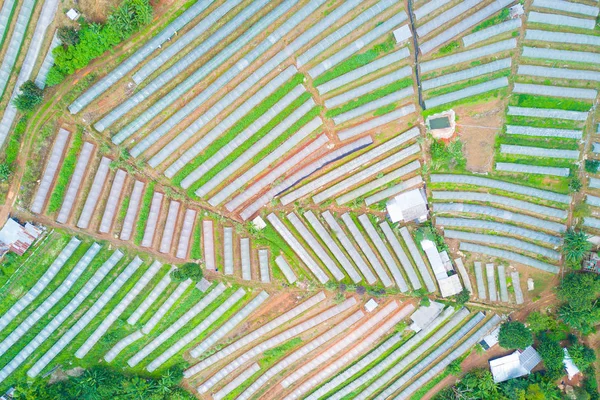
480, 98
369, 97
544, 122
66, 172
449, 48
196, 250
385, 109
447, 157
528, 100
356, 61
468, 83
140, 226
503, 16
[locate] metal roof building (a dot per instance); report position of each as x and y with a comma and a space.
519, 363
408, 206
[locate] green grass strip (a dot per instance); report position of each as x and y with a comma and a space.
357, 60
544, 122
66, 172
242, 124
196, 250
480, 98
545, 142
501, 17
369, 97
140, 226
533, 101
468, 83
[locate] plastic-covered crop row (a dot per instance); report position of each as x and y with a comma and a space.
533, 169
399, 251
237, 381
5, 16
263, 265
345, 30
270, 343
166, 306
366, 250
120, 308
481, 293
258, 333
368, 87
516, 282
40, 79
285, 268
298, 248
469, 55
245, 259
169, 230
555, 91
51, 300
539, 152
508, 255
504, 201
499, 227
58, 148
490, 274
571, 7
93, 196
154, 294
237, 115
591, 222
350, 166
84, 320
71, 195
463, 24
544, 132
139, 56
276, 154
561, 55
224, 307
122, 345
592, 200
561, 20
250, 153
502, 241
236, 142
394, 190
467, 92
358, 73
502, 281
501, 185
418, 259
494, 30
548, 113
374, 105
275, 173
376, 122
186, 233
208, 241
558, 73
466, 74
303, 173
463, 274
228, 250
177, 325
562, 37
347, 51
132, 210
430, 7
454, 12
113, 201
152, 221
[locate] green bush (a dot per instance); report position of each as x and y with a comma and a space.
29, 98
68, 35
449, 48
552, 355
5, 171
187, 271
514, 335
592, 166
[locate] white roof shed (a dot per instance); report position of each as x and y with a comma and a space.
514, 365
408, 206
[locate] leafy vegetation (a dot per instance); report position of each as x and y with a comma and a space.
502, 16
187, 271
514, 335
449, 48
552, 355
144, 213
66, 172
581, 309
539, 322
447, 156
575, 247
29, 97
527, 100
93, 39
592, 166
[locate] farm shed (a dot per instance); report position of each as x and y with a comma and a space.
16, 237
449, 285
408, 206
519, 363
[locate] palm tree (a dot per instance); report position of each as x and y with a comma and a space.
575, 247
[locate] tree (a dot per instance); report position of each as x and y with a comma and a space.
463, 296
187, 271
5, 172
592, 166
29, 98
575, 184
514, 335
539, 322
454, 368
575, 247
581, 309
68, 36
552, 355
582, 356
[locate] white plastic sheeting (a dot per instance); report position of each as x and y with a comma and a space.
47, 179
502, 281
154, 295
544, 132
91, 202
76, 178
270, 343
347, 51
84, 320
263, 264
501, 185
132, 210
122, 345
368, 87
212, 318
186, 233
40, 79
539, 152
208, 241
237, 381
152, 220
533, 169
494, 30
228, 250
50, 301
258, 333
245, 259
516, 283
298, 248
561, 20
374, 105
562, 55
350, 166
177, 325
366, 250
548, 113
508, 255
558, 73
358, 73
466, 74
562, 37
166, 306
113, 201
555, 91
469, 55
231, 323
57, 321
285, 268
481, 293
383, 251
568, 6
429, 8
120, 308
376, 122
490, 273
169, 230
394, 190
418, 259
139, 56
332, 246
467, 92
5, 16
457, 11
404, 261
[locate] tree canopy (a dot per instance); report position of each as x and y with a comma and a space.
187, 271
29, 97
575, 247
514, 335
581, 309
552, 355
